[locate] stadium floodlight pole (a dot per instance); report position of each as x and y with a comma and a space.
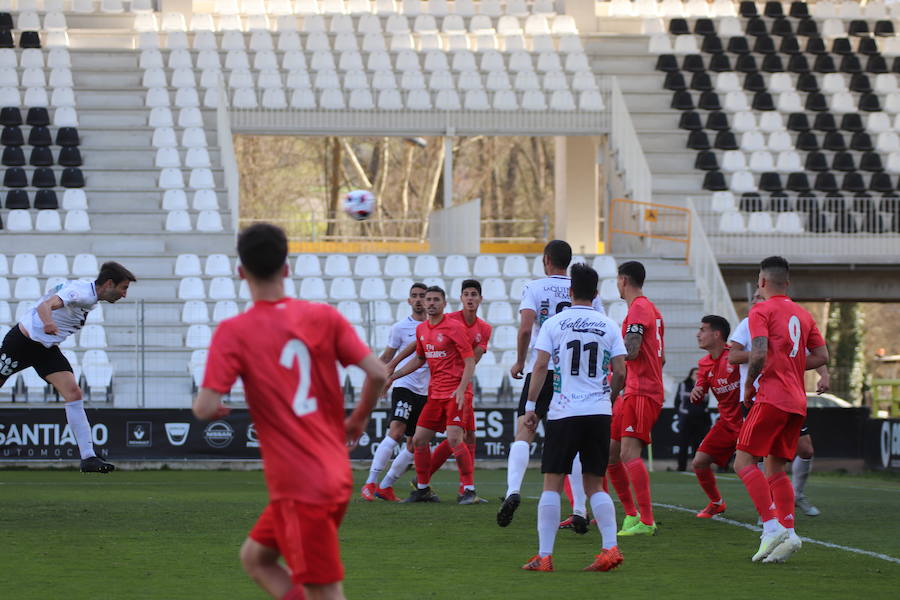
448, 167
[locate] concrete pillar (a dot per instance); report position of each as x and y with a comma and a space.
577, 183
584, 13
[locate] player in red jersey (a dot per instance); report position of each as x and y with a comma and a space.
715, 374
285, 351
781, 333
444, 344
479, 334
637, 410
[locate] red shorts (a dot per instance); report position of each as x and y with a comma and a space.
634, 416
306, 535
770, 431
719, 443
440, 413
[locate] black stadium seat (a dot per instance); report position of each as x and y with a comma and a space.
10, 116
834, 203
890, 203
67, 136
16, 199
834, 141
763, 101
871, 223
674, 81
881, 182
70, 156
770, 182
720, 63
798, 182
859, 82
39, 136
6, 39
37, 116
12, 136
816, 161
815, 45
701, 82
725, 140
46, 200
754, 82
807, 203
782, 27
29, 39
682, 101
858, 28
756, 26
869, 103
41, 156
666, 63
746, 63
825, 122
876, 64
824, 64
807, 28
6, 20
716, 121
798, 64
816, 102
705, 27
850, 64
689, 120
807, 141
799, 10
798, 122
853, 183
825, 182
714, 181
711, 44
15, 177
871, 162
764, 45
841, 46
679, 27
709, 101
43, 178
861, 142
738, 45
698, 140
706, 161
747, 8
693, 63
807, 82
843, 161
816, 222
780, 202
789, 45
13, 156
862, 204
772, 64
72, 177
845, 223
773, 9
884, 28
867, 47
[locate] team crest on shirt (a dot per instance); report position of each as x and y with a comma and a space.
730, 369
440, 338
478, 338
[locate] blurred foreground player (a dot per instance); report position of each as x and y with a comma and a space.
584, 345
285, 352
781, 333
34, 342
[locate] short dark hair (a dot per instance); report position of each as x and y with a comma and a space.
776, 268
584, 282
436, 289
559, 252
115, 272
418, 286
717, 323
471, 283
263, 249
634, 271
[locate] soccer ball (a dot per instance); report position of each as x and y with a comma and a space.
359, 204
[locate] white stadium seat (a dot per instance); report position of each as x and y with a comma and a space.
194, 311
342, 288
313, 288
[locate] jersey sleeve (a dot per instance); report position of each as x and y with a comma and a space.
528, 302
616, 342
598, 306
395, 338
759, 322
545, 339
223, 363
815, 339
741, 334
71, 295
702, 376
638, 319
486, 331
350, 350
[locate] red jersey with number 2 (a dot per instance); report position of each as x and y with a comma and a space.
791, 331
643, 375
444, 346
285, 353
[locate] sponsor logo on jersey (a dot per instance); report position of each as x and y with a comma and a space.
218, 434
7, 365
139, 434
177, 433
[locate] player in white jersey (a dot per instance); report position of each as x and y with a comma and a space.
583, 345
34, 342
739, 354
541, 299
408, 396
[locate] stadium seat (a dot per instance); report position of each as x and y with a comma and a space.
221, 288
48, 221
400, 287
178, 220
194, 312
313, 288
493, 288
486, 265
209, 220
342, 288
85, 265
426, 266
504, 337
224, 309
197, 336
372, 288
500, 313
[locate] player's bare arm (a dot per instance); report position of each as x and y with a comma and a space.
737, 355
398, 358
523, 339
698, 393
387, 355
824, 383
817, 357
45, 310
538, 376
376, 375
208, 405
478, 351
413, 364
633, 340
468, 372
617, 383
759, 349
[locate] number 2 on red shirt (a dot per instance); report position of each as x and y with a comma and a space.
295, 349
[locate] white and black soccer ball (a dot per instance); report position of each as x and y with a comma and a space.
359, 204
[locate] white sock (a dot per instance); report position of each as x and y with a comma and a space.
548, 521
382, 455
605, 513
398, 468
577, 482
770, 526
516, 466
78, 421
800, 469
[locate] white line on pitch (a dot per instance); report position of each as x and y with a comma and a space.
805, 539
816, 482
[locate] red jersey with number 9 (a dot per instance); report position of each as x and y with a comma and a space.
643, 375
791, 331
285, 353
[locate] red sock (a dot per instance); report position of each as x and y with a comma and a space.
568, 487
422, 460
619, 477
440, 455
759, 491
471, 448
707, 480
640, 479
295, 593
783, 494
464, 463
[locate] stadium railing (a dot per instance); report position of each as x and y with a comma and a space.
705, 267
227, 156
624, 142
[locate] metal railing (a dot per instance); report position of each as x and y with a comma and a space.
626, 147
705, 268
228, 158
650, 227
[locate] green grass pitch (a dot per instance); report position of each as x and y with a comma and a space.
175, 534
